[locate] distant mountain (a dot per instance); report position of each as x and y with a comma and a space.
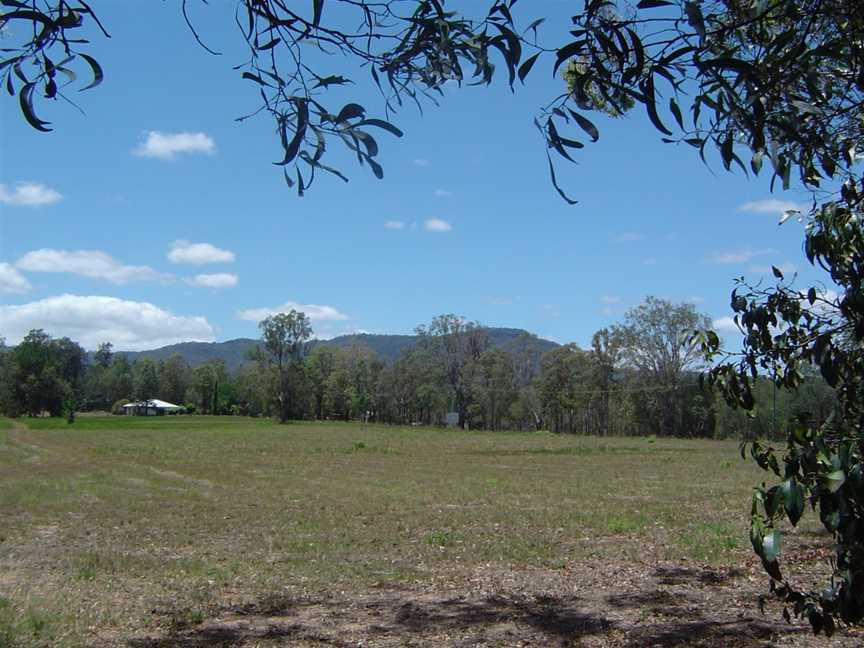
233, 352
388, 347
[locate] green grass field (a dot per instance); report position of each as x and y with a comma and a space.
114, 527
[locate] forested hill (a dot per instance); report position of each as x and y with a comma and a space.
388, 347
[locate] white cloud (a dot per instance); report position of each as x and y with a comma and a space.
551, 310
315, 312
198, 253
443, 193
725, 325
421, 162
166, 146
610, 299
12, 281
695, 299
500, 301
769, 206
743, 255
394, 225
626, 237
88, 263
436, 225
649, 261
90, 320
216, 280
786, 268
28, 194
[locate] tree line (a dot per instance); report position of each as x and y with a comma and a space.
639, 377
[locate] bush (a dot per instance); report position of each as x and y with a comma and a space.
117, 408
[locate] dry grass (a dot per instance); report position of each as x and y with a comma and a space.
116, 528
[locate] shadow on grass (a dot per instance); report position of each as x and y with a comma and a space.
654, 617
340, 623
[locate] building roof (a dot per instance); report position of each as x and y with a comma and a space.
158, 404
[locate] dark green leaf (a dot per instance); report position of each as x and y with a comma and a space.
273, 43
293, 147
97, 72
257, 79
534, 25
376, 168
727, 151
676, 112
30, 16
317, 8
561, 193
25, 99
756, 162
586, 125
793, 499
651, 4
651, 105
776, 271
771, 546
350, 111
380, 123
367, 140
526, 66
324, 82
834, 480
694, 17
568, 51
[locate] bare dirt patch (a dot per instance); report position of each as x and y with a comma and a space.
585, 604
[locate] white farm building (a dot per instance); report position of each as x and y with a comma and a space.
152, 407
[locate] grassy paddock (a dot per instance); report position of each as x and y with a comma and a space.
116, 524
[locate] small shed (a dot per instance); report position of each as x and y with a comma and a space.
152, 407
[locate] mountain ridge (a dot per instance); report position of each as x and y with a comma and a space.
388, 347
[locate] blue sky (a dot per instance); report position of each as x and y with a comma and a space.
156, 218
